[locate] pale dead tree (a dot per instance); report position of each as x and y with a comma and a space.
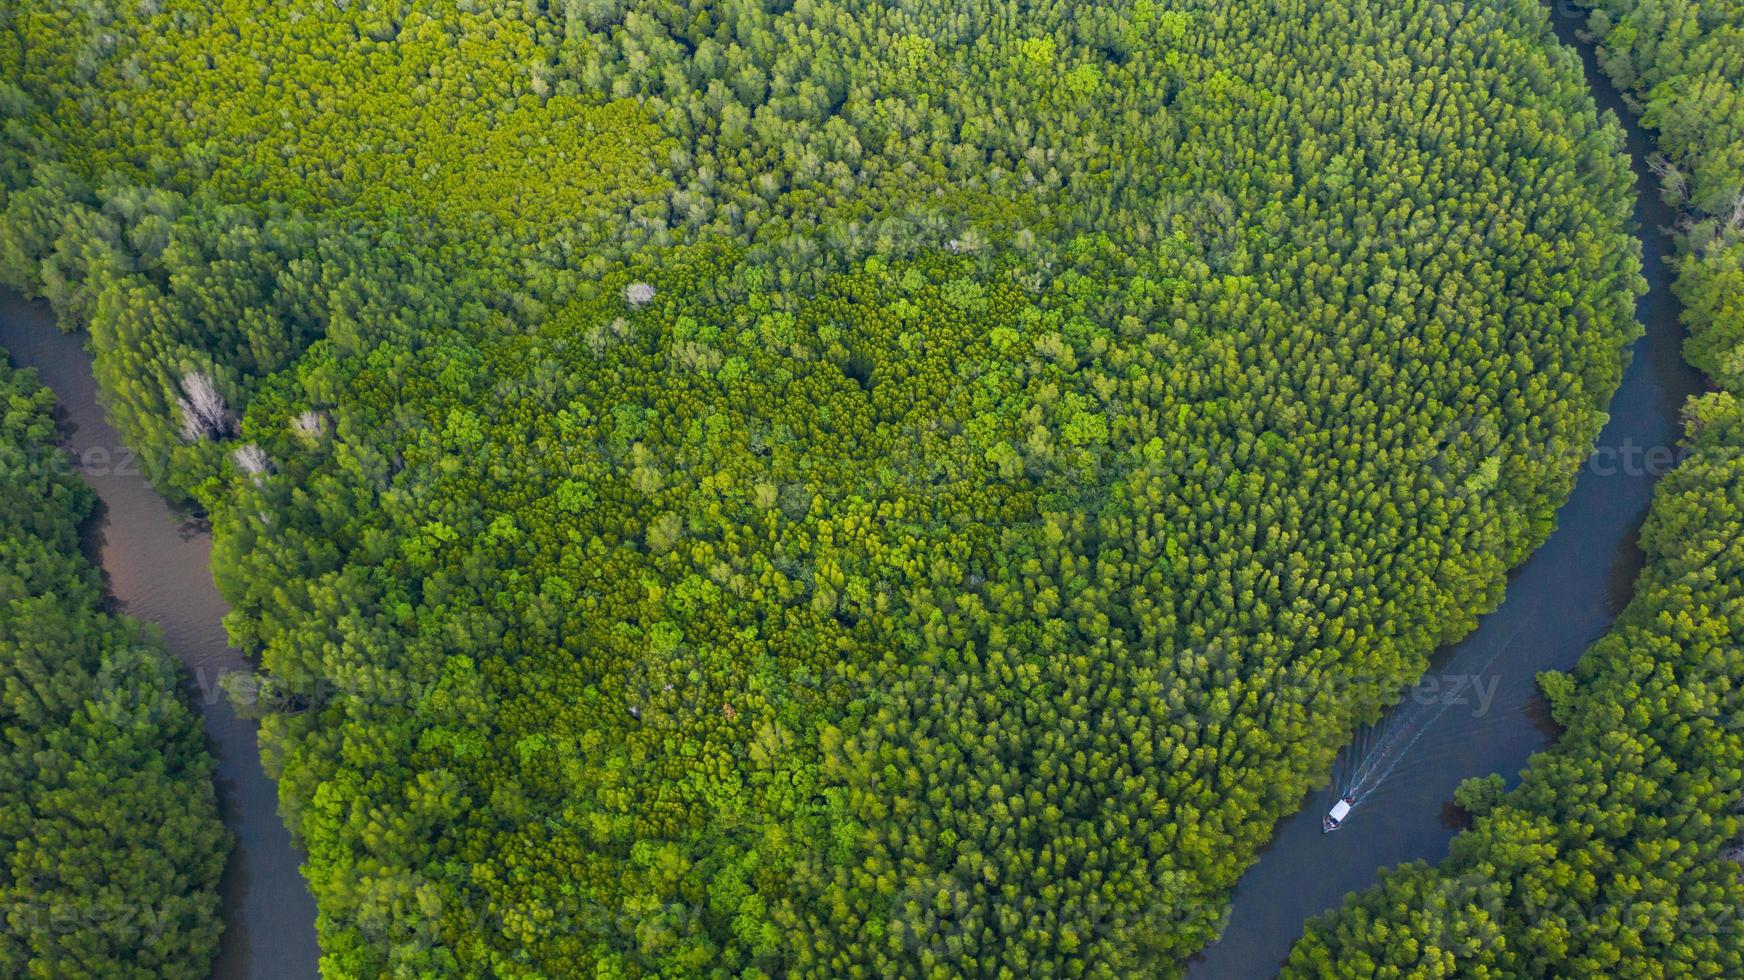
1669, 175
310, 425
638, 293
970, 241
192, 430
251, 459
203, 413
1736, 219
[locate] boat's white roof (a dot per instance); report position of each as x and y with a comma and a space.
1339, 810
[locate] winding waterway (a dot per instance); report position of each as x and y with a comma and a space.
1558, 603
157, 568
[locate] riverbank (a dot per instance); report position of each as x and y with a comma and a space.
156, 566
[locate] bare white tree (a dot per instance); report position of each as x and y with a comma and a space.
1669, 175
203, 412
638, 293
251, 459
192, 430
310, 425
970, 241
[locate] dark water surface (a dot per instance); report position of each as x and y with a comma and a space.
1561, 600
157, 566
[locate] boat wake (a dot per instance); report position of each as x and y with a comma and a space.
1378, 749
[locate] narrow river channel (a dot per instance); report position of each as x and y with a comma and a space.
157, 568
1561, 600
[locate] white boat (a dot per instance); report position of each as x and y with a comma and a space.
1335, 816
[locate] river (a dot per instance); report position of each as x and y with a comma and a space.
1558, 602
157, 567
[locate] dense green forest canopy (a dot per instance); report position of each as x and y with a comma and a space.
1618, 854
110, 844
829, 488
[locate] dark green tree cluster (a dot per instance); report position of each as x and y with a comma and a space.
830, 488
110, 843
